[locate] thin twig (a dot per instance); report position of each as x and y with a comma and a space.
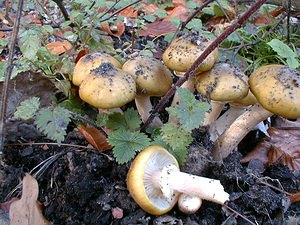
119, 10
239, 214
4, 96
200, 59
62, 8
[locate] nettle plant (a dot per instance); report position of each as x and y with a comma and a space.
125, 137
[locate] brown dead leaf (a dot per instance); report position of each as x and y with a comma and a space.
129, 12
59, 47
179, 11
116, 29
2, 34
94, 137
158, 28
283, 146
27, 210
80, 54
295, 197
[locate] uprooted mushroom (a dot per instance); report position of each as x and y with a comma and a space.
277, 90
155, 182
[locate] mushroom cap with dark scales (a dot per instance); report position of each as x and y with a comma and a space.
277, 89
89, 62
224, 82
152, 77
185, 50
107, 87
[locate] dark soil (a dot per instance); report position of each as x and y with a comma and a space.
84, 186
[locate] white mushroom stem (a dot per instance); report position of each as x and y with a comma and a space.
217, 127
235, 133
171, 180
213, 114
144, 107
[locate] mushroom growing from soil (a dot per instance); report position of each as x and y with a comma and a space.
183, 52
89, 62
236, 108
155, 182
152, 79
107, 87
277, 90
222, 84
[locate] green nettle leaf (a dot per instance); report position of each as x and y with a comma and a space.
27, 108
161, 13
53, 123
132, 118
149, 18
189, 111
284, 51
177, 137
129, 120
126, 143
29, 43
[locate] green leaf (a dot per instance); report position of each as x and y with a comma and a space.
29, 43
126, 143
27, 108
161, 13
189, 111
129, 120
177, 137
284, 51
53, 123
195, 24
149, 18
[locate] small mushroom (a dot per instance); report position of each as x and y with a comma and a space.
107, 87
189, 204
152, 79
277, 90
183, 52
222, 84
155, 182
89, 62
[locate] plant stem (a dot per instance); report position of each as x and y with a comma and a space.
4, 96
201, 58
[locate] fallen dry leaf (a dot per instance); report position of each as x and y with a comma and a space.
27, 210
94, 137
129, 12
283, 146
80, 54
295, 197
158, 28
59, 47
116, 29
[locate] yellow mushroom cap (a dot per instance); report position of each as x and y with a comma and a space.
152, 77
185, 50
147, 196
107, 87
89, 62
223, 82
277, 89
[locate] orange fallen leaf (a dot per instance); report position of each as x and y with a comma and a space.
179, 11
59, 47
94, 137
295, 197
116, 29
80, 54
27, 210
158, 28
129, 12
283, 146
